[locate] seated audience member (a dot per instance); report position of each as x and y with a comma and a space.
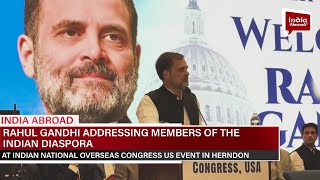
307, 156
279, 167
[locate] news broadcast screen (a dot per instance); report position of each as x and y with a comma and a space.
81, 85
35, 139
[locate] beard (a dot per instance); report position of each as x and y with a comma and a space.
99, 103
180, 84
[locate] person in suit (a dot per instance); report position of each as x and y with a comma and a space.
307, 156
84, 58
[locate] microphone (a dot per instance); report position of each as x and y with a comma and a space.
188, 90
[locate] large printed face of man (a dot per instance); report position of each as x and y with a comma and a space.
83, 62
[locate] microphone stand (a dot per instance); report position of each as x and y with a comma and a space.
195, 101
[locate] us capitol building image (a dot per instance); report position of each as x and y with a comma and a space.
219, 89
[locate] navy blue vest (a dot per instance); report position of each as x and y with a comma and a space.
170, 109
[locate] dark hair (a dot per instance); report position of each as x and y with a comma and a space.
165, 61
310, 125
32, 18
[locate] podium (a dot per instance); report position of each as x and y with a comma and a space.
160, 171
206, 170
306, 174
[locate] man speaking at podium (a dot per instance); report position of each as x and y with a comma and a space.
173, 102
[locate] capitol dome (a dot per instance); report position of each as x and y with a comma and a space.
219, 89
210, 71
